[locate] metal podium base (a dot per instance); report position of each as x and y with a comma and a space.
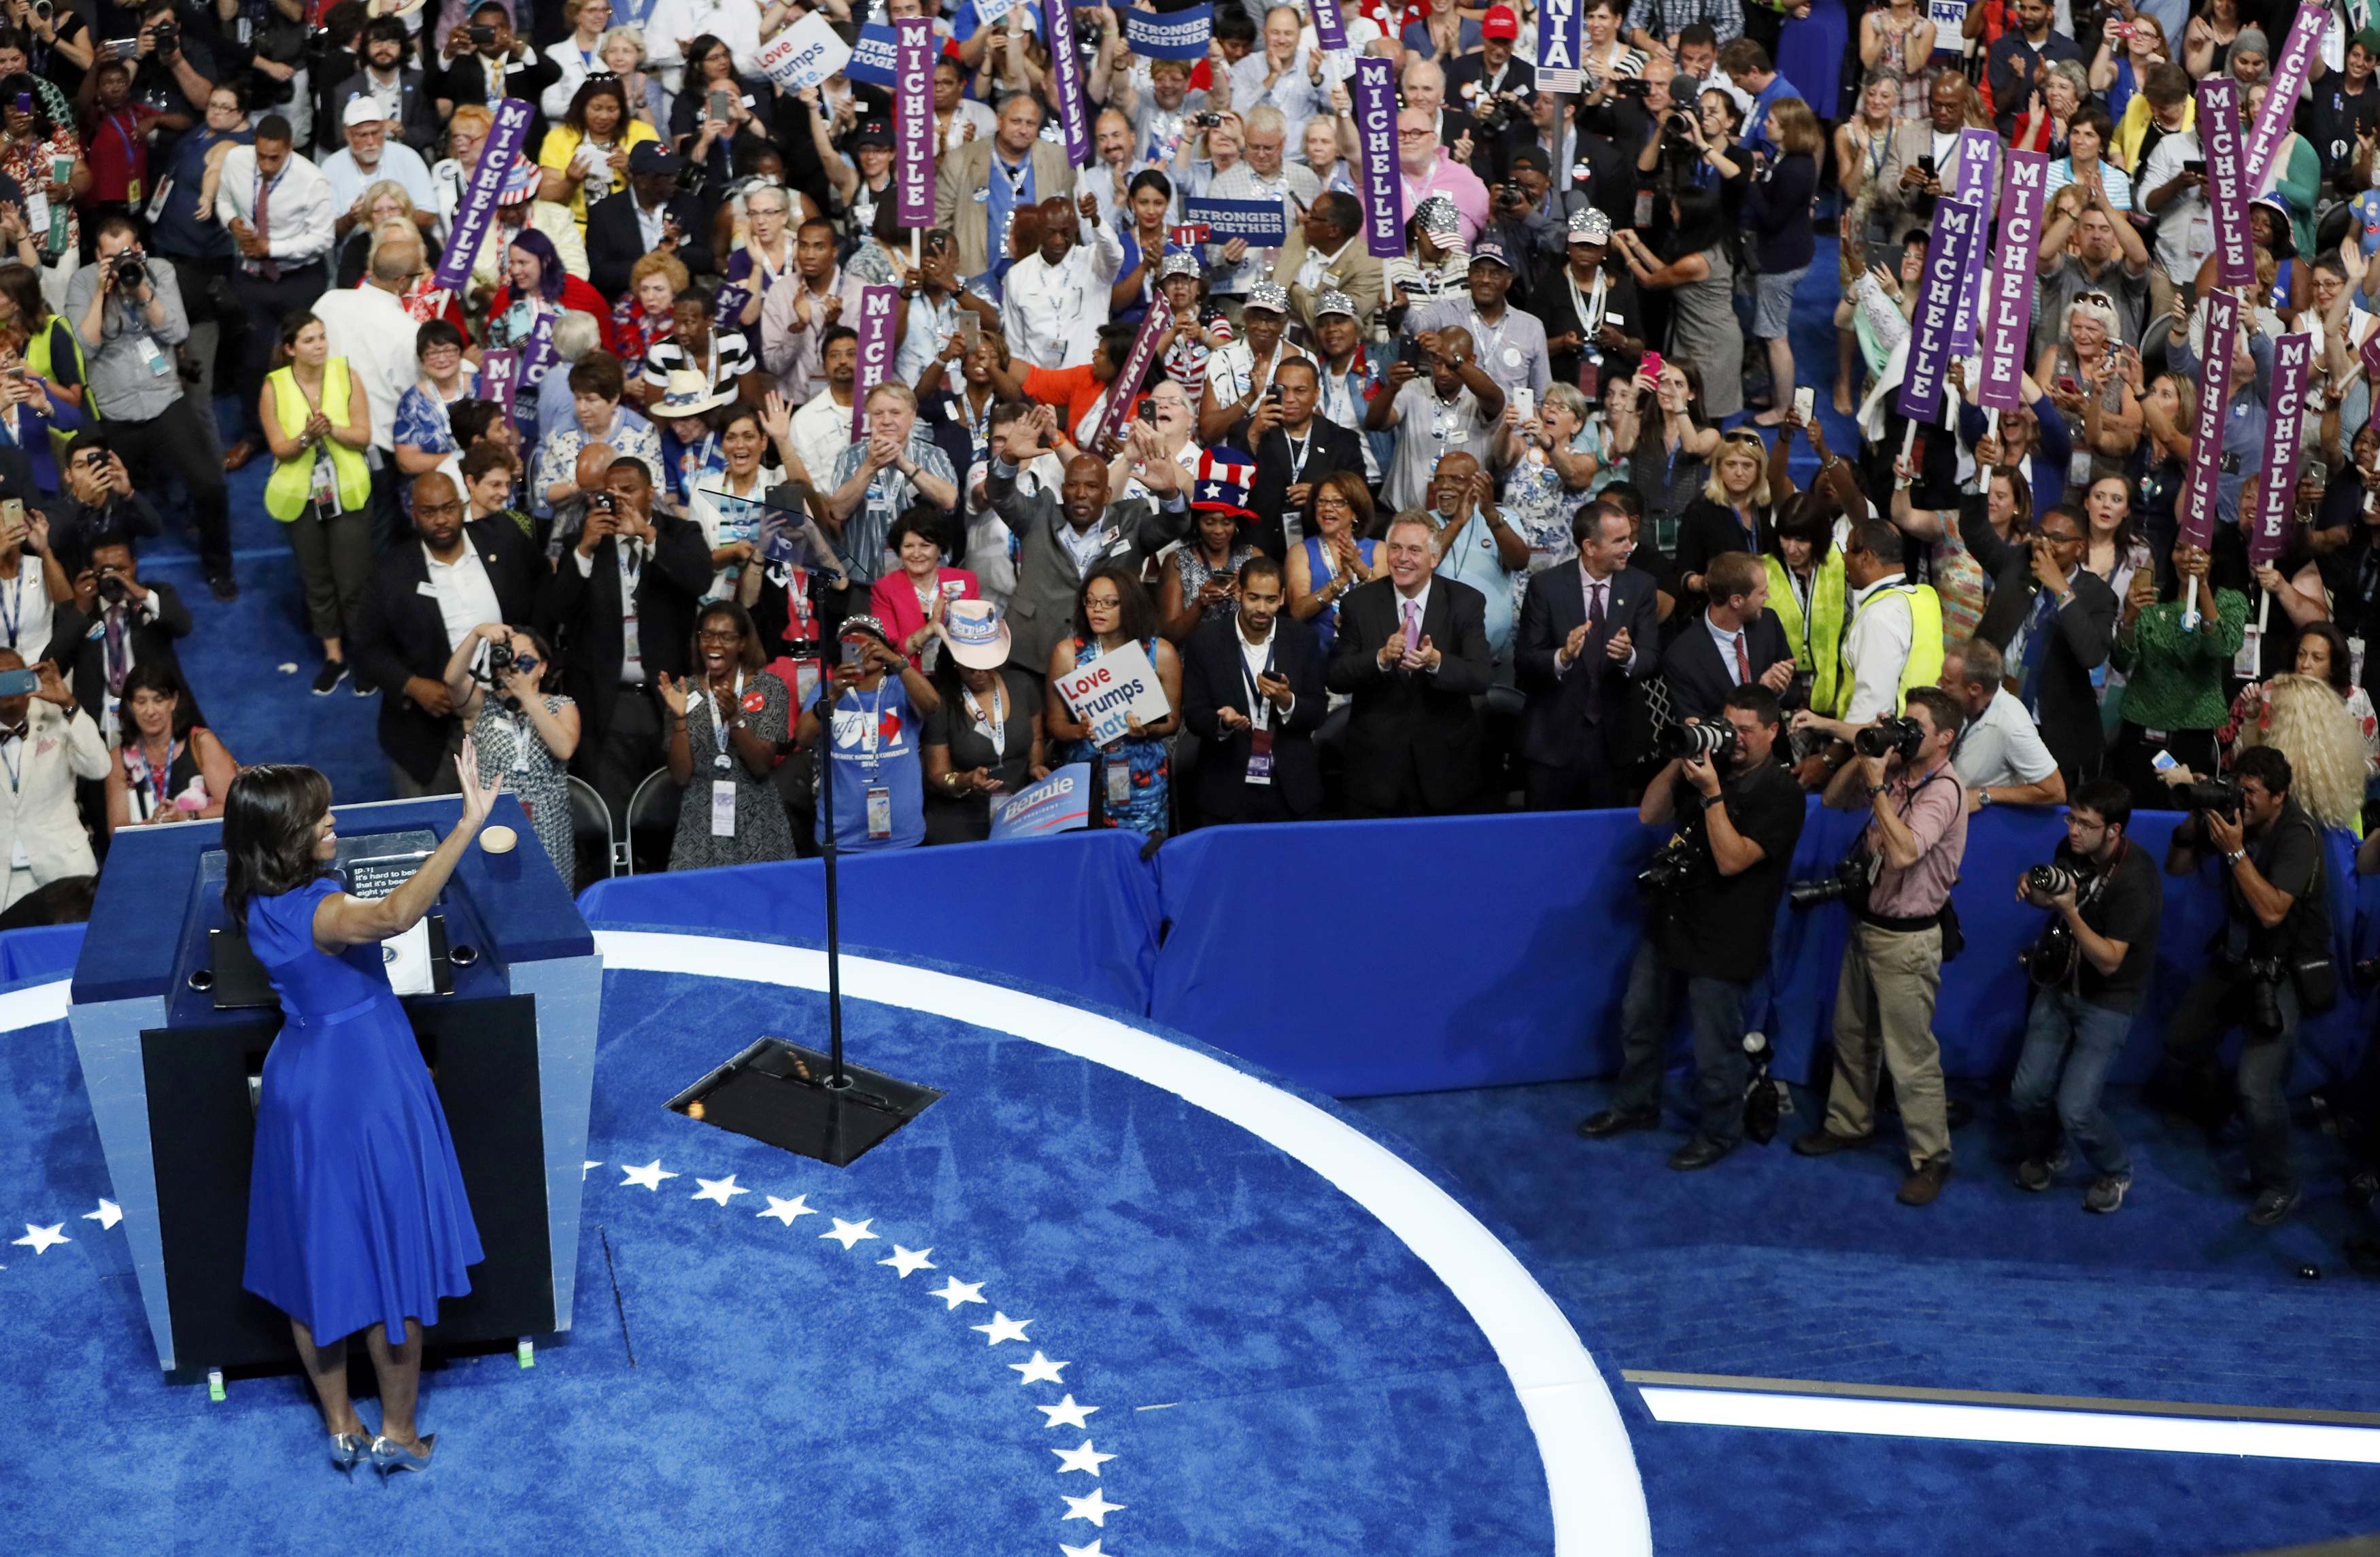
779, 1092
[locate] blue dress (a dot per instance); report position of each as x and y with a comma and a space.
357, 1214
1810, 54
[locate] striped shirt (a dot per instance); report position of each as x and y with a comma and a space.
726, 357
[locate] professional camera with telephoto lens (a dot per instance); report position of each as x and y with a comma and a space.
111, 585
1677, 865
2053, 961
2220, 797
128, 270
1849, 879
1635, 86
1511, 195
1900, 737
166, 38
1499, 115
1715, 741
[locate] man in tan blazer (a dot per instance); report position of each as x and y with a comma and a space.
1017, 159
1326, 254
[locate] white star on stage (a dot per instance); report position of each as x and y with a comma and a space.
40, 1238
589, 1167
955, 1292
1095, 1508
1066, 1413
1084, 1459
1090, 1550
649, 1176
1002, 1328
719, 1189
904, 1261
786, 1211
1040, 1371
108, 1214
849, 1233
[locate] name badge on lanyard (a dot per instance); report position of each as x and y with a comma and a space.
880, 811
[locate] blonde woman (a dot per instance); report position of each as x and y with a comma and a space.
622, 51
1734, 507
2303, 718
385, 204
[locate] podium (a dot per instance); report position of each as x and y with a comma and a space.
170, 1077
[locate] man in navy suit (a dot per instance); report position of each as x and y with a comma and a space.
1737, 640
1587, 630
649, 217
1252, 693
1413, 654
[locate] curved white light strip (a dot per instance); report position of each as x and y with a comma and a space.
1598, 1502
1598, 1499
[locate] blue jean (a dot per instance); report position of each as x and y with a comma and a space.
2069, 1032
1721, 1071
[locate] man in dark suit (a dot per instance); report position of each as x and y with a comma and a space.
1413, 654
1736, 641
1587, 630
486, 73
423, 602
416, 119
648, 217
1252, 693
631, 565
118, 621
2055, 621
1294, 450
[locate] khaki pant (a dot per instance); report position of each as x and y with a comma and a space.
1884, 1005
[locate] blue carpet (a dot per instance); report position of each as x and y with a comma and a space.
757, 1388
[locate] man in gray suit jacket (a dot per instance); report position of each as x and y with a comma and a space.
1068, 533
1029, 169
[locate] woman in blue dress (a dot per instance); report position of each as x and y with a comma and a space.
1810, 54
357, 1214
1111, 611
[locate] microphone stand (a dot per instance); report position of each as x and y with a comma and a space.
836, 1080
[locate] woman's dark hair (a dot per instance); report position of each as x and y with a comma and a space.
886, 227
22, 85
436, 332
920, 521
748, 651
550, 273
1808, 516
22, 285
734, 411
157, 676
293, 324
2342, 664
597, 86
1150, 179
1137, 618
268, 833
549, 674
1702, 223
698, 48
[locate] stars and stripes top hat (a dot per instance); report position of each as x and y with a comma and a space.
520, 184
1224, 477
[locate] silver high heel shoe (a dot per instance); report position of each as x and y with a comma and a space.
388, 1459
348, 1449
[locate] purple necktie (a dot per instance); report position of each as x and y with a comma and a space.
117, 668
1412, 627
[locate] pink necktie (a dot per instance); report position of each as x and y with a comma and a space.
1412, 627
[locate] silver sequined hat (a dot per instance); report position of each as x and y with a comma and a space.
1589, 226
1269, 294
1179, 262
1334, 302
1437, 217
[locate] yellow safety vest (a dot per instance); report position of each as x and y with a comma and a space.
291, 485
1924, 666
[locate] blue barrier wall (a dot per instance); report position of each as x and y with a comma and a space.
1078, 913
1399, 956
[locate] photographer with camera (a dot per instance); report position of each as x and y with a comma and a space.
128, 314
123, 621
1898, 885
2270, 963
1714, 889
2088, 971
504, 683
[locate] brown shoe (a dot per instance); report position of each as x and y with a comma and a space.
1923, 1184
240, 454
1823, 1142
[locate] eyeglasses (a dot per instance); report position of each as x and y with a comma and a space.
1416, 135
718, 635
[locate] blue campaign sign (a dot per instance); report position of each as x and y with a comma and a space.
871, 56
1262, 222
1057, 804
1169, 35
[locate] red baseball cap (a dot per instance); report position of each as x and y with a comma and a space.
1500, 22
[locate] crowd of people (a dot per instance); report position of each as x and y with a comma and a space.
1501, 521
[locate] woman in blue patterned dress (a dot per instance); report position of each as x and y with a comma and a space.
1134, 769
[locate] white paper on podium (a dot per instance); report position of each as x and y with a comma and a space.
406, 956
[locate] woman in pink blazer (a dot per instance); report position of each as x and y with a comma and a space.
910, 602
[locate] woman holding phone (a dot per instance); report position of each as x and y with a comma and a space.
168, 767
879, 703
357, 1216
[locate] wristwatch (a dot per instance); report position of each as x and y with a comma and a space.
1710, 800
2235, 856
1983, 795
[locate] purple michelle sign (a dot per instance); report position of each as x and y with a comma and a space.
2226, 180
1933, 340
1374, 93
2198, 496
913, 121
2284, 446
1067, 73
2007, 318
